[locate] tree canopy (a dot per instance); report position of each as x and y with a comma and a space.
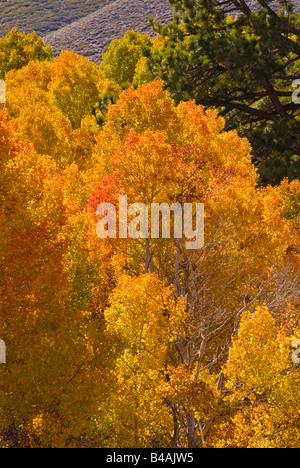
140, 341
18, 49
242, 59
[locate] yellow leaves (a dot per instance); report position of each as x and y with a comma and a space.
37, 425
251, 427
44, 335
148, 173
147, 108
145, 314
147, 318
254, 358
235, 153
182, 389
289, 193
139, 313
22, 173
260, 371
123, 62
152, 149
46, 99
199, 126
74, 86
200, 155
260, 425
18, 49
276, 230
28, 85
93, 338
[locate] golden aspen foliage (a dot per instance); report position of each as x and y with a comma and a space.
139, 342
39, 120
163, 153
144, 316
74, 87
17, 49
124, 62
261, 376
52, 353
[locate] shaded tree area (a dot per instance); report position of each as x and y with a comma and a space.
242, 59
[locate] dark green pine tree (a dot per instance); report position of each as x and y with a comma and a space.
99, 110
243, 58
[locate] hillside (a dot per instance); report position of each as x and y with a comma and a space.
86, 26
91, 35
44, 16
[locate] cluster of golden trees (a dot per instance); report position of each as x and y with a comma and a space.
139, 343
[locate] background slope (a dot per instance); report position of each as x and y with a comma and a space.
44, 16
91, 35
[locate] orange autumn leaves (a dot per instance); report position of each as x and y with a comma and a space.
244, 262
102, 352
